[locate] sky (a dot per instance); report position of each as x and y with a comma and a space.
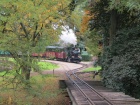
68, 36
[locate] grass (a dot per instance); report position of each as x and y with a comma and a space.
92, 69
92, 76
47, 66
42, 65
44, 91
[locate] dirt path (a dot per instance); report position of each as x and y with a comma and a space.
63, 68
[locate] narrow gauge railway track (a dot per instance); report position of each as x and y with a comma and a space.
91, 96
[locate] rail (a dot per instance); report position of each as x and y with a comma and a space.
76, 82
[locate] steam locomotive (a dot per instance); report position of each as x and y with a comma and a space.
69, 54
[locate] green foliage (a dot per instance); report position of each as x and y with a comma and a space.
76, 17
120, 61
92, 39
28, 26
101, 17
74, 4
86, 57
44, 89
5, 73
77, 14
11, 77
121, 5
121, 68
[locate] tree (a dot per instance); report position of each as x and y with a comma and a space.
118, 21
24, 23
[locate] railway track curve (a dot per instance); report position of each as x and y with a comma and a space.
81, 93
91, 96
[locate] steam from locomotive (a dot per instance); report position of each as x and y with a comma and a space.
68, 36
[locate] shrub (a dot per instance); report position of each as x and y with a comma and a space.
121, 67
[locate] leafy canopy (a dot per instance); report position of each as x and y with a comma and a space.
31, 20
27, 26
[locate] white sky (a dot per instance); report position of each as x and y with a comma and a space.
68, 36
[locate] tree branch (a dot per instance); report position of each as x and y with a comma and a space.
25, 31
41, 2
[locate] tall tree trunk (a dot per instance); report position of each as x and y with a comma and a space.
113, 22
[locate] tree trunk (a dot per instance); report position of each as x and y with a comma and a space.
27, 76
26, 72
26, 68
113, 21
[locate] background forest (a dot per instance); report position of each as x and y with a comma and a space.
112, 32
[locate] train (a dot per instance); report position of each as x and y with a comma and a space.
68, 54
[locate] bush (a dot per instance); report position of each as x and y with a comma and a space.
121, 67
85, 56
